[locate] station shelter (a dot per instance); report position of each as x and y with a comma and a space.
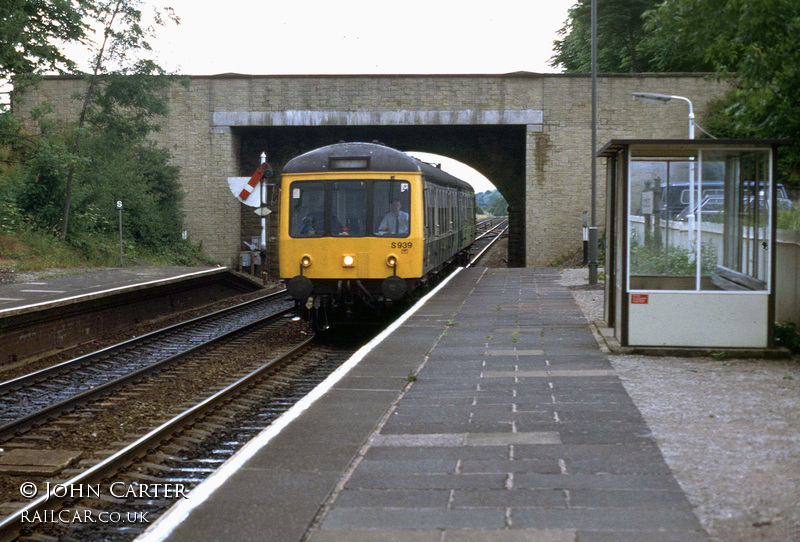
690, 251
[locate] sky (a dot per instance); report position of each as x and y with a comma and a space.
290, 37
360, 36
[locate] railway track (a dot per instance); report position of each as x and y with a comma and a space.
490, 232
150, 472
197, 439
117, 498
29, 399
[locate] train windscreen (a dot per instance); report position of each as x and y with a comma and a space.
349, 208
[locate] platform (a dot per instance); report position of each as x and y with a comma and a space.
490, 414
70, 285
45, 316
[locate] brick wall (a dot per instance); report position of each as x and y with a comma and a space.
557, 149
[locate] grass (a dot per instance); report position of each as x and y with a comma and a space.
28, 251
789, 219
25, 251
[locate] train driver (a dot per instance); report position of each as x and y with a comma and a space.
395, 221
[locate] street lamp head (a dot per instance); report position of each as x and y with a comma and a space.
651, 97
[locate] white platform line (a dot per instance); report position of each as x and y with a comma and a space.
167, 523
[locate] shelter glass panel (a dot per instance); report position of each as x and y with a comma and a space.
700, 221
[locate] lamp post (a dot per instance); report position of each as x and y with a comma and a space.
654, 98
592, 252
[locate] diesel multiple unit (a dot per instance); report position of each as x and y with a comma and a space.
363, 225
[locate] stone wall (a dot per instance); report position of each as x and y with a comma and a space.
558, 188
209, 119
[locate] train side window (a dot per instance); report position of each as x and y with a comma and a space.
429, 208
391, 212
439, 212
307, 209
452, 207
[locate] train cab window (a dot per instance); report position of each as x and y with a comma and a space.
307, 209
391, 207
348, 208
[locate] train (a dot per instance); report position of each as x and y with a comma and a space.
365, 227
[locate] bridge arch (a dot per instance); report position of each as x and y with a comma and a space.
492, 142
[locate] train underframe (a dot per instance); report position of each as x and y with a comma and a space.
351, 301
328, 302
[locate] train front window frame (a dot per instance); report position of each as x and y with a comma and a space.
307, 209
391, 208
349, 208
348, 204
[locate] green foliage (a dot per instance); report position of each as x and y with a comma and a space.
132, 170
82, 168
789, 219
492, 202
31, 30
621, 45
651, 260
143, 179
41, 196
128, 106
743, 114
118, 102
787, 335
29, 249
753, 41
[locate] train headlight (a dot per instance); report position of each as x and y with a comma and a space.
391, 261
348, 260
305, 261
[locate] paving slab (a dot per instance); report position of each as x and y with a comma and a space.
516, 372
515, 429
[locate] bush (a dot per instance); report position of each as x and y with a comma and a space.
789, 219
650, 260
787, 335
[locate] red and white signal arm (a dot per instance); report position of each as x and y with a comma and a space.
244, 188
252, 197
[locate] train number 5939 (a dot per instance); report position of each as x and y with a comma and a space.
402, 244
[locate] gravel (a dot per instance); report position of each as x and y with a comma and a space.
729, 430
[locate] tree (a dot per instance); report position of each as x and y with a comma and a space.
110, 97
31, 30
620, 37
753, 42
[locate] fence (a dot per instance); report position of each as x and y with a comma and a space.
787, 263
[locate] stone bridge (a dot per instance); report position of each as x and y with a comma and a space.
530, 134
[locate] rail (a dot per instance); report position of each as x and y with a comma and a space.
503, 228
54, 390
11, 526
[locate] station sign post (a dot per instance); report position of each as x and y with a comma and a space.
119, 206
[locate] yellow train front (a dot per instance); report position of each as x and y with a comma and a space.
363, 226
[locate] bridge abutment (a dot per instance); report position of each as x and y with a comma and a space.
528, 133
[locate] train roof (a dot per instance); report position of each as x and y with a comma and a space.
366, 157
